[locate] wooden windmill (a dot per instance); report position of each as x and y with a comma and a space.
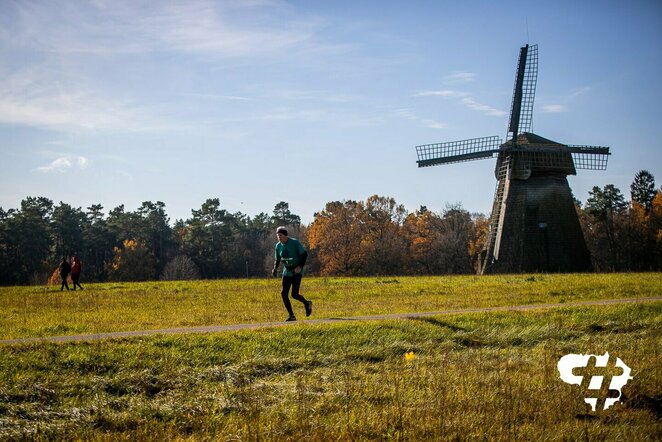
534, 225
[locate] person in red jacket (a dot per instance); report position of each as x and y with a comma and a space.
75, 271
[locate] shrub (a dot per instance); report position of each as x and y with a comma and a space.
181, 267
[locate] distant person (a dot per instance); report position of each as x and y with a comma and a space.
65, 269
75, 271
293, 255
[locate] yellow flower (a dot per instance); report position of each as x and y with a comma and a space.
409, 356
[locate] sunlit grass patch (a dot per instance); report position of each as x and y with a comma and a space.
481, 376
35, 312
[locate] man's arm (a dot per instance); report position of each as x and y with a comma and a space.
274, 271
302, 262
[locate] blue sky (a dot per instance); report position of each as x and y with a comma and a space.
259, 101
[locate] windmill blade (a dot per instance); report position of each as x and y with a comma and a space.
590, 157
457, 151
529, 89
521, 111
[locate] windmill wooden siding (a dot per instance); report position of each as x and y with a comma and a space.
541, 231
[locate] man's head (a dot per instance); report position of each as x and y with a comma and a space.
281, 233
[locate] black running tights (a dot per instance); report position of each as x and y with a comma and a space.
295, 283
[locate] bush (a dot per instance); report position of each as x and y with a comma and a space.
181, 267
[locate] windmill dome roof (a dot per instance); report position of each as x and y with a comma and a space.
531, 138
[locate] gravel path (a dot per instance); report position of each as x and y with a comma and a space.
224, 328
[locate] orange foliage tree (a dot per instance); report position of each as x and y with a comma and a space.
378, 237
132, 262
335, 235
447, 243
382, 236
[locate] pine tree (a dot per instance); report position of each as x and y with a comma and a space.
642, 189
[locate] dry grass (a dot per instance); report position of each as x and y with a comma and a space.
467, 377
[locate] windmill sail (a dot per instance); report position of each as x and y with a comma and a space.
457, 151
590, 157
521, 112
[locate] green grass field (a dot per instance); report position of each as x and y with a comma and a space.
39, 311
481, 376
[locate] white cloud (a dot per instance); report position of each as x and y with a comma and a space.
446, 93
554, 108
342, 98
487, 110
579, 91
205, 27
464, 98
431, 124
219, 97
57, 165
76, 45
408, 114
460, 77
46, 96
567, 98
218, 29
63, 164
279, 114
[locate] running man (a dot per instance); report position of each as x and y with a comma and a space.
293, 255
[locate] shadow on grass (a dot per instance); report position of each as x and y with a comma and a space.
439, 323
644, 402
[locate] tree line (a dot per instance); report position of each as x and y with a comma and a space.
373, 237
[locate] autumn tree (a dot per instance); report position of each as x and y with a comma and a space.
382, 244
478, 240
132, 262
441, 244
457, 232
422, 230
335, 236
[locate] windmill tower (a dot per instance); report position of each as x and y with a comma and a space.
534, 225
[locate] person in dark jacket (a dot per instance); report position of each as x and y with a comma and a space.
293, 255
75, 271
65, 269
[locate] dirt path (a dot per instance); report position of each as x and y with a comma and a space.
223, 328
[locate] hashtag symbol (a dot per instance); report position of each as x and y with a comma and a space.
596, 379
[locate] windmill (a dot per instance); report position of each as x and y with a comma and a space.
534, 225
